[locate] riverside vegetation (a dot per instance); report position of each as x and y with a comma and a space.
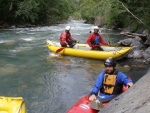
116, 13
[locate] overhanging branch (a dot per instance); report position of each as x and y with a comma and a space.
131, 13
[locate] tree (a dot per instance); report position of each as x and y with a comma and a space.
34, 11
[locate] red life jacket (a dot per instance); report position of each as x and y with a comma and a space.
64, 37
92, 38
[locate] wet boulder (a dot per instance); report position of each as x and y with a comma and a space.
137, 54
145, 32
148, 50
141, 44
136, 42
139, 47
148, 61
125, 42
145, 54
130, 55
147, 42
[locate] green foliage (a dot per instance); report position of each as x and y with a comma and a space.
141, 10
75, 9
34, 11
115, 13
59, 9
118, 13
6, 12
87, 10
28, 11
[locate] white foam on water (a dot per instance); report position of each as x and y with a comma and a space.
8, 42
53, 54
20, 49
28, 39
14, 51
30, 33
78, 34
2, 41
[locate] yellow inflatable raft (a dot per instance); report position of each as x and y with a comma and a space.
83, 50
12, 105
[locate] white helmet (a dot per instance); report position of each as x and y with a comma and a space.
68, 28
96, 27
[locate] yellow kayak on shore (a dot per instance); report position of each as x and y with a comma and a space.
12, 105
83, 50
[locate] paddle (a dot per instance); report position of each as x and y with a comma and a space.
107, 37
60, 49
96, 104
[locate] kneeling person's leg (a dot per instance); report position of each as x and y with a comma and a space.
72, 43
63, 45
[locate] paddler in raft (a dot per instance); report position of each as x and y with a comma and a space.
66, 39
109, 82
95, 39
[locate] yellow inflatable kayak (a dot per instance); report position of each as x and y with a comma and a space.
83, 50
12, 105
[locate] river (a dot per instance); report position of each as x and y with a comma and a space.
51, 83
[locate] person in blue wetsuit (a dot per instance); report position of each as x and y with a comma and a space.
109, 82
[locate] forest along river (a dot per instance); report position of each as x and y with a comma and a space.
50, 83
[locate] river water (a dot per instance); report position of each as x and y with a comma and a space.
51, 83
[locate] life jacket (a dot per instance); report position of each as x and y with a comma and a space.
65, 37
96, 39
110, 86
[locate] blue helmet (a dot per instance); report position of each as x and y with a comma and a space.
110, 62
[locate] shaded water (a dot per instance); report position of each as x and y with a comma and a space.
50, 83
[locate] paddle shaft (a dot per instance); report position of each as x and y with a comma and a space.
108, 37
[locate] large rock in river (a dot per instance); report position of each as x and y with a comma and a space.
135, 100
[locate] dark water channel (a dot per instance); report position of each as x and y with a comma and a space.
50, 83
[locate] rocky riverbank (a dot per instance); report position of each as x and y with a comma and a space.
141, 43
135, 100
